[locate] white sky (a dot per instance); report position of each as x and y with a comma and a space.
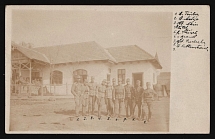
150, 31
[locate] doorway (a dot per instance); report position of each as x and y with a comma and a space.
138, 76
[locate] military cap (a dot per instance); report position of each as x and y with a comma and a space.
148, 83
127, 79
85, 80
78, 77
138, 81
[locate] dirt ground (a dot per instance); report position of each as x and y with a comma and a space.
44, 115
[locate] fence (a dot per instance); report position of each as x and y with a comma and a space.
41, 90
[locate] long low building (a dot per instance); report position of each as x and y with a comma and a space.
56, 66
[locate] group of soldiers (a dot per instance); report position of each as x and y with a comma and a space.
113, 96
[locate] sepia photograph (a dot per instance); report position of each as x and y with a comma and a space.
90, 71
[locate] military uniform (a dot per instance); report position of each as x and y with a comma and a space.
92, 96
109, 100
113, 86
119, 96
100, 98
77, 91
129, 96
145, 111
148, 98
138, 91
85, 99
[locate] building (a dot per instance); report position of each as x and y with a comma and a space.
163, 79
56, 66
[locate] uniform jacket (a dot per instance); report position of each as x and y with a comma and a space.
77, 89
129, 91
92, 88
109, 92
149, 94
138, 92
86, 91
119, 92
101, 91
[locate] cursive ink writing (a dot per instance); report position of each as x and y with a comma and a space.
185, 31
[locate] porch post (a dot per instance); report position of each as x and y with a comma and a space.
42, 82
66, 89
15, 82
30, 79
50, 78
19, 84
54, 89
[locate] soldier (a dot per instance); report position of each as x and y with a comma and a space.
149, 97
85, 98
114, 82
101, 96
129, 96
77, 91
92, 95
118, 97
109, 99
113, 85
138, 91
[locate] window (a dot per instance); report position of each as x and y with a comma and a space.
57, 77
121, 74
80, 72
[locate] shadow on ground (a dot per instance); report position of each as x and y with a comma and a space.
65, 112
72, 112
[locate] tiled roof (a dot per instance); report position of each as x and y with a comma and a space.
30, 53
89, 51
77, 52
132, 53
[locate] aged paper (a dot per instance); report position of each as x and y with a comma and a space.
67, 69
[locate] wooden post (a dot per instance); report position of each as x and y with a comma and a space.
54, 89
19, 86
50, 78
42, 82
15, 82
30, 80
66, 89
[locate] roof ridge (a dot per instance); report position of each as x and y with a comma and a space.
64, 44
106, 52
144, 51
110, 55
34, 51
120, 46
